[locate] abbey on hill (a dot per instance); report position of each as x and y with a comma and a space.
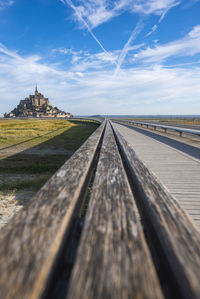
36, 106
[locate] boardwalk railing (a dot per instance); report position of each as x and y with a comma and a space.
164, 127
96, 119
101, 227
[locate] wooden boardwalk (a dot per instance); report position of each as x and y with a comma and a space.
178, 172
81, 236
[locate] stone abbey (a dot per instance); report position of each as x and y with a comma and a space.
36, 106
34, 100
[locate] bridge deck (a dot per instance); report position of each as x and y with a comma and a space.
178, 171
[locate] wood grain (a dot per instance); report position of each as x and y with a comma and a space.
31, 241
113, 260
177, 235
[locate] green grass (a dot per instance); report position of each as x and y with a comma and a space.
184, 121
73, 138
18, 131
35, 169
32, 164
18, 185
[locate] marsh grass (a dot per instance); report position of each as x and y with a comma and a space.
44, 136
17, 185
183, 121
17, 131
31, 164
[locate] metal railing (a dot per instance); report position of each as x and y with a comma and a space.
164, 127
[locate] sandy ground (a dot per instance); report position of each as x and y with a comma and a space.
9, 205
13, 202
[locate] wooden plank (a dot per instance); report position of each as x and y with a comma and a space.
176, 234
113, 260
30, 243
170, 165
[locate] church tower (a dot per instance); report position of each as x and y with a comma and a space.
36, 91
35, 100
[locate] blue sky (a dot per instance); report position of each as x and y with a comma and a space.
102, 56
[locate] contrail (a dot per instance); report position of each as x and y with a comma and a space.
135, 33
155, 27
79, 15
125, 50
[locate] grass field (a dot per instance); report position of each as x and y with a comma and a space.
32, 150
33, 131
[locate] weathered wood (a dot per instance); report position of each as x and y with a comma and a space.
31, 241
113, 260
177, 171
178, 238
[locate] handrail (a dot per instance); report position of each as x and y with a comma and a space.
97, 119
32, 241
172, 128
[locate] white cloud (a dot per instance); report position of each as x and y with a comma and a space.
195, 32
75, 56
97, 12
186, 46
158, 7
138, 90
5, 3
83, 60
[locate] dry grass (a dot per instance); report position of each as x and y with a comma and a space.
17, 131
30, 152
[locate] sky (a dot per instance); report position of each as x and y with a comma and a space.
136, 57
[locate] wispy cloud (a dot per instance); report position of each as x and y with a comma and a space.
186, 46
97, 12
75, 56
7, 52
83, 61
5, 3
147, 90
157, 7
